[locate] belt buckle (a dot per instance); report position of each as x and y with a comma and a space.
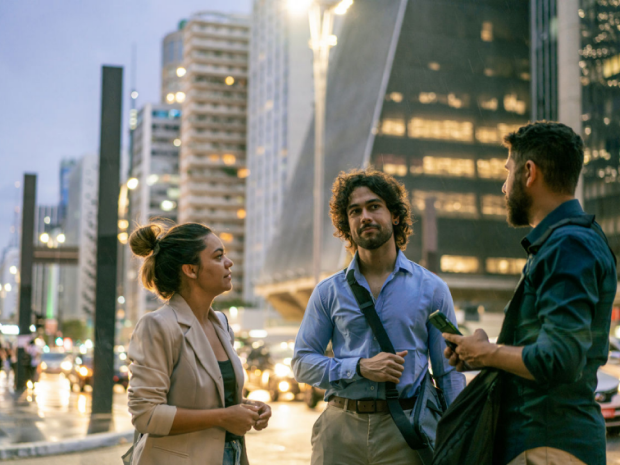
372, 406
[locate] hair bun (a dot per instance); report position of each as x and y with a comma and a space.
143, 240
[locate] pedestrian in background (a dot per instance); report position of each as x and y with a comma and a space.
370, 211
186, 384
563, 304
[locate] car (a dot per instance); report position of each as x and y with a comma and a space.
81, 374
268, 367
51, 362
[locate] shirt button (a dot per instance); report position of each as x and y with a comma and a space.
372, 388
348, 373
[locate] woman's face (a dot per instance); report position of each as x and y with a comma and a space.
214, 276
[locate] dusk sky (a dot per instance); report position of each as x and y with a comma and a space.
51, 53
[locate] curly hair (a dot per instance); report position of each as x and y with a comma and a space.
386, 187
556, 150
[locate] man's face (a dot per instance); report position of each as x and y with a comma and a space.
370, 220
518, 201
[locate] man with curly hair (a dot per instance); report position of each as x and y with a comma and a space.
370, 211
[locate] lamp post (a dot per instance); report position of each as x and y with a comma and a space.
321, 16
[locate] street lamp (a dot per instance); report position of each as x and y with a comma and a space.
321, 15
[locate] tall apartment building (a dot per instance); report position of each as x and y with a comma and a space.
427, 99
280, 99
155, 191
77, 299
213, 130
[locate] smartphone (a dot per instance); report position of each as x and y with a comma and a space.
441, 322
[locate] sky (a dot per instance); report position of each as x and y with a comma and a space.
51, 54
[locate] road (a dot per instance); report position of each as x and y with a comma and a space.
53, 412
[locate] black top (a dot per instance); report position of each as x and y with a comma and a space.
563, 327
230, 390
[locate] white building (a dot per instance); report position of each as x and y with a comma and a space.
154, 189
280, 111
9, 287
213, 150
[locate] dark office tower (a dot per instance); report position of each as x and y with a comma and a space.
428, 99
544, 56
600, 79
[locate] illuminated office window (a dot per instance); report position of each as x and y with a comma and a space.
447, 203
395, 97
505, 265
393, 127
488, 103
443, 166
427, 97
494, 205
611, 66
514, 105
392, 164
459, 264
486, 33
495, 134
492, 168
420, 128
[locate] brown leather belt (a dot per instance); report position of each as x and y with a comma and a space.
368, 406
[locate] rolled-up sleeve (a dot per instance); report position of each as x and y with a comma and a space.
449, 380
310, 364
152, 361
567, 292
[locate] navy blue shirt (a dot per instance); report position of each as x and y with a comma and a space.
563, 327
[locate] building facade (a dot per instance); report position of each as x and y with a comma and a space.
442, 83
9, 286
213, 131
172, 66
280, 99
46, 285
153, 190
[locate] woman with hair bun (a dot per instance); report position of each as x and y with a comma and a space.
185, 389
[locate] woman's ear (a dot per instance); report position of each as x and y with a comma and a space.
188, 270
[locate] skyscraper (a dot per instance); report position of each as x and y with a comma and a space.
280, 99
427, 99
154, 190
172, 65
213, 130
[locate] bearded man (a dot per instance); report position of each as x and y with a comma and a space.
548, 414
370, 211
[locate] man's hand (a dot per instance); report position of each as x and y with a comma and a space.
264, 412
471, 351
384, 367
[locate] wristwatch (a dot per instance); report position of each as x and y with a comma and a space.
358, 368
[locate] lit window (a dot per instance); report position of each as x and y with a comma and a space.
443, 166
214, 158
226, 237
395, 97
393, 127
243, 173
488, 103
494, 205
447, 203
427, 97
268, 104
454, 102
495, 134
492, 168
513, 104
123, 224
180, 97
434, 66
170, 98
505, 265
487, 31
420, 128
168, 205
611, 66
122, 238
241, 214
229, 159
393, 165
459, 264
229, 81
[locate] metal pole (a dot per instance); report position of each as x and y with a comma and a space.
321, 25
25, 277
107, 247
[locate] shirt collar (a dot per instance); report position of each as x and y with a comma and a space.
568, 209
402, 264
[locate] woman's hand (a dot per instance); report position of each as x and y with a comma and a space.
264, 412
239, 419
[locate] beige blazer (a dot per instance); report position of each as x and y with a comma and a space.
173, 365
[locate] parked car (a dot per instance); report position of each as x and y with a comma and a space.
81, 374
51, 362
268, 367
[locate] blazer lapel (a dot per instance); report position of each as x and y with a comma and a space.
224, 336
197, 340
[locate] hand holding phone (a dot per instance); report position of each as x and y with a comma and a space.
441, 322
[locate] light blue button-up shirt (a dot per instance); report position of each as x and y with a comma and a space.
408, 296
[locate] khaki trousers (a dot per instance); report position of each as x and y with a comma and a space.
340, 437
546, 456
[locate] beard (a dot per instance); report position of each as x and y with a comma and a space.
518, 205
381, 237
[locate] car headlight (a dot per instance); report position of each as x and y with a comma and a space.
66, 365
84, 371
282, 370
